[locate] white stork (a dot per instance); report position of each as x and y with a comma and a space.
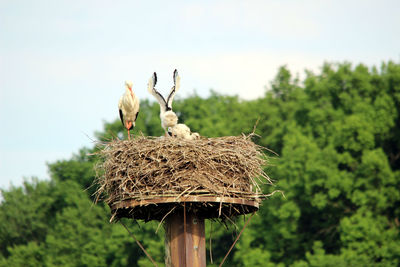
183, 131
128, 108
167, 116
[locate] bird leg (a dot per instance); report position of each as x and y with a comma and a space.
128, 125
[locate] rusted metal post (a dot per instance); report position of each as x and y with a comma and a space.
185, 249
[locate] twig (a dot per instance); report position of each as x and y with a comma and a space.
211, 259
232, 222
163, 218
139, 244
237, 238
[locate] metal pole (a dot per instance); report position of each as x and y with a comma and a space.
185, 248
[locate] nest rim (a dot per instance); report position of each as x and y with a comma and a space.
208, 207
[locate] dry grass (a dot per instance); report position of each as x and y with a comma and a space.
148, 167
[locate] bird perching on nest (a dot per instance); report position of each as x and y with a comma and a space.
183, 131
128, 108
167, 116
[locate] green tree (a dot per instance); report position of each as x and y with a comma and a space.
337, 134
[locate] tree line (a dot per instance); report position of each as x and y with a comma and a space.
337, 134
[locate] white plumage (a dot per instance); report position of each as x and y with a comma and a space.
183, 131
167, 116
128, 108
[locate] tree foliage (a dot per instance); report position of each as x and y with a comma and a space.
337, 134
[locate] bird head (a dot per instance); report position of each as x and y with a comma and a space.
129, 85
170, 119
195, 136
180, 131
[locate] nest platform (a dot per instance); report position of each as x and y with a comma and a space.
148, 178
206, 207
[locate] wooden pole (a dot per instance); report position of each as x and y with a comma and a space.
185, 249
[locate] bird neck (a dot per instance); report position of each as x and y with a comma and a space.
130, 92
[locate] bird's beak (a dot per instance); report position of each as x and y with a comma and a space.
129, 85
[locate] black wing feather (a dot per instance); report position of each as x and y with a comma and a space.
155, 79
160, 96
137, 113
175, 74
171, 94
158, 93
121, 116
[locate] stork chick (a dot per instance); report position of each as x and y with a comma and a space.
128, 108
183, 131
167, 116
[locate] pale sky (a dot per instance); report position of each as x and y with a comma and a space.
63, 63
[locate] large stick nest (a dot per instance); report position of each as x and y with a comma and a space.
149, 167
